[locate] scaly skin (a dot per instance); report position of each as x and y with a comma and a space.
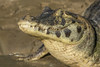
68, 37
92, 13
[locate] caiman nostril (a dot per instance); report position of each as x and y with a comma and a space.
32, 18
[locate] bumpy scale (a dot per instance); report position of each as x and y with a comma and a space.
68, 37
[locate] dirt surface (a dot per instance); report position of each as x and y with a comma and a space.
12, 40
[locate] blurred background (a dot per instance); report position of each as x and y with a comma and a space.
12, 40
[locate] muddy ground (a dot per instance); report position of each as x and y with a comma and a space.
12, 40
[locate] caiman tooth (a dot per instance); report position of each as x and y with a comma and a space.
36, 28
25, 26
45, 30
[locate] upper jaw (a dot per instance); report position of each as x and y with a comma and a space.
25, 25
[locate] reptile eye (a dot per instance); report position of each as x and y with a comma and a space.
63, 21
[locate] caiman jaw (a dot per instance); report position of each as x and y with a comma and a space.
57, 25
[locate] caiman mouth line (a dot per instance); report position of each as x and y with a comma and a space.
27, 27
58, 25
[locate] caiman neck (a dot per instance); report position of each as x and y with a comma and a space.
75, 55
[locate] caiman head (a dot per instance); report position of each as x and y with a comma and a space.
58, 25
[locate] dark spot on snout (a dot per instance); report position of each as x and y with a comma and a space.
79, 29
63, 22
73, 21
67, 32
58, 34
56, 21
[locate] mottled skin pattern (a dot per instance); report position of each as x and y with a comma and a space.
68, 37
93, 14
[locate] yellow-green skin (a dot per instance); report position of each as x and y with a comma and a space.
92, 13
68, 37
